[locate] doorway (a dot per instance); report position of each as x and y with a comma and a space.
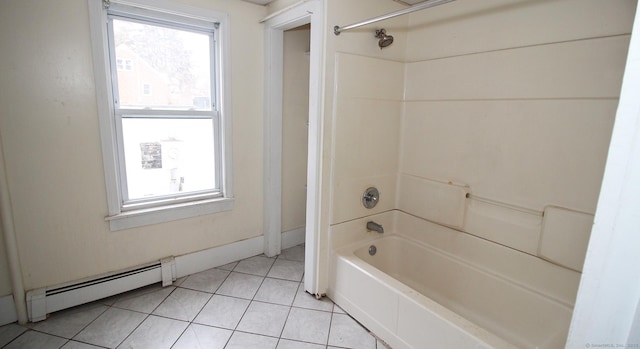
305, 13
295, 129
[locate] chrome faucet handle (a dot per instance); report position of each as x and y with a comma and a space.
370, 197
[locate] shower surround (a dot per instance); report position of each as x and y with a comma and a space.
485, 122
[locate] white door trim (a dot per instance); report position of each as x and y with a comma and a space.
307, 12
607, 310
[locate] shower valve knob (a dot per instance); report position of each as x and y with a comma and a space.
370, 197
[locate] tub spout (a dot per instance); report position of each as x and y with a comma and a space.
373, 226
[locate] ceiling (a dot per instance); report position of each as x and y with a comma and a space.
266, 2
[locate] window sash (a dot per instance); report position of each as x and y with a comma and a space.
158, 21
161, 200
133, 14
182, 21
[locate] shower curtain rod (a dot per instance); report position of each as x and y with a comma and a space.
421, 6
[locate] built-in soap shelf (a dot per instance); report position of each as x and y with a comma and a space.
557, 234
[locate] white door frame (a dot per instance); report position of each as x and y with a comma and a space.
304, 12
607, 309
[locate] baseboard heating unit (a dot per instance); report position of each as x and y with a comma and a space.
43, 301
46, 300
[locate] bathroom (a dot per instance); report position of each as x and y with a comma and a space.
502, 109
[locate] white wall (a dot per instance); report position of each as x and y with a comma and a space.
295, 127
49, 129
5, 276
516, 100
278, 5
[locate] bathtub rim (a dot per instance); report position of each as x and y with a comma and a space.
480, 268
348, 253
481, 335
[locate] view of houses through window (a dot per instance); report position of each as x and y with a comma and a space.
164, 100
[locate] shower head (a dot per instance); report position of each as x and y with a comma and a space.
385, 40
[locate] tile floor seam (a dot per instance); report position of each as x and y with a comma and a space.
135, 311
181, 334
212, 292
13, 340
87, 343
252, 300
130, 333
248, 305
31, 330
201, 309
151, 313
228, 340
257, 334
285, 320
330, 323
324, 311
92, 321
49, 334
82, 329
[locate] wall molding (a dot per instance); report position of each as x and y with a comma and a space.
293, 237
7, 310
46, 300
303, 12
214, 257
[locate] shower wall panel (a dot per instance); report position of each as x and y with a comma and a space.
367, 115
516, 100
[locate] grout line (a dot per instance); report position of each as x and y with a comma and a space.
329, 332
107, 307
509, 99
32, 330
519, 47
92, 321
252, 298
286, 319
130, 333
211, 296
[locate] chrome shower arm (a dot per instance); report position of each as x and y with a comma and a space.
421, 6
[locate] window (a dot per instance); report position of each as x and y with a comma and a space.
166, 153
124, 64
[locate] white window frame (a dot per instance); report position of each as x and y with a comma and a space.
118, 217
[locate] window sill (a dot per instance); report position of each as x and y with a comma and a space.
148, 216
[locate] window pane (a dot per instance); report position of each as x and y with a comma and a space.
168, 156
175, 62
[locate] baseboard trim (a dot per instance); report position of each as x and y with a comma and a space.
7, 310
214, 257
293, 237
43, 301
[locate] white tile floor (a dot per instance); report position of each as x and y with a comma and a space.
258, 303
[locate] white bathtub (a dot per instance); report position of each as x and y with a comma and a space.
450, 290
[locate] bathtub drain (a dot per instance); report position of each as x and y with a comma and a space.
372, 250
